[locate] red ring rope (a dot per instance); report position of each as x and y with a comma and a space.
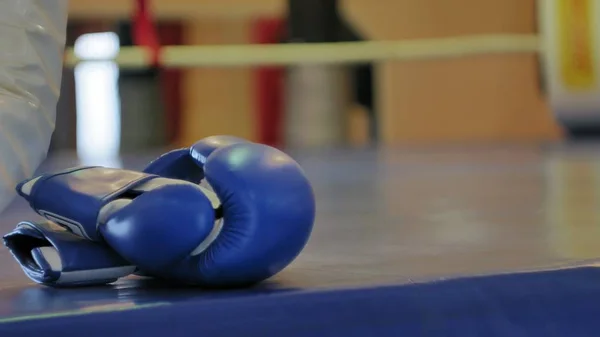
144, 31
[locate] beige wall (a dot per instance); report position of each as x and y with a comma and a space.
219, 100
470, 99
178, 9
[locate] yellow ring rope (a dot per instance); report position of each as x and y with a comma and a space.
324, 53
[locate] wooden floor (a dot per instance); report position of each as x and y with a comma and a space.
402, 215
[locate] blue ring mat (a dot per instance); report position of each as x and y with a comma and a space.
552, 303
400, 235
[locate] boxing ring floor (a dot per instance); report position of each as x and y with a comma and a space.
453, 241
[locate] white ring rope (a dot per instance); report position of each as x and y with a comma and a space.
324, 53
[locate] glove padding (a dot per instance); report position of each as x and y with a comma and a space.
54, 256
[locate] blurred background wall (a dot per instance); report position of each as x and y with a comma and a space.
493, 97
471, 99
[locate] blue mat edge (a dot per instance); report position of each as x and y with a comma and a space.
548, 303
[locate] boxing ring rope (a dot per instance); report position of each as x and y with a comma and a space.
322, 53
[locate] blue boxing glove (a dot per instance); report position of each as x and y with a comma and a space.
80, 199
255, 225
53, 256
268, 210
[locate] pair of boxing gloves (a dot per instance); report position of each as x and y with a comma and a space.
105, 224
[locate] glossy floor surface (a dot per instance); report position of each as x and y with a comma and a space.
392, 216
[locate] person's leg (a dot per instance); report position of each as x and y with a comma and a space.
32, 40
